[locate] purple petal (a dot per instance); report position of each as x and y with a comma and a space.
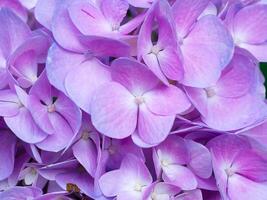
212, 39
250, 24
59, 63
164, 100
114, 10
88, 77
133, 75
200, 159
116, 121
21, 193
86, 153
7, 153
186, 13
180, 176
11, 24
153, 128
44, 11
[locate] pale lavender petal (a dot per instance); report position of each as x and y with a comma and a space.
153, 128
114, 111
44, 11
82, 81
133, 75
164, 100
200, 159
59, 63
180, 176
186, 13
250, 24
211, 46
86, 153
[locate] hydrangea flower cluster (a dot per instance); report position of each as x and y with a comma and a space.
133, 100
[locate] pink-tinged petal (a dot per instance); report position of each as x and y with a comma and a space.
69, 111
24, 69
172, 151
180, 176
44, 11
59, 63
83, 180
16, 7
241, 188
164, 100
19, 192
40, 114
7, 153
214, 51
190, 195
114, 10
171, 63
59, 140
186, 13
162, 190
131, 195
200, 159
132, 24
11, 24
232, 114
151, 60
257, 134
207, 184
88, 18
259, 51
110, 47
137, 165
82, 81
111, 183
224, 149
250, 24
237, 78
42, 89
86, 153
163, 58
9, 103
141, 3
24, 127
139, 141
133, 75
114, 111
63, 25
153, 128
132, 173
251, 165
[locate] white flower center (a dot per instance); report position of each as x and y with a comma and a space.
230, 172
138, 187
139, 100
164, 163
210, 92
155, 49
51, 108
